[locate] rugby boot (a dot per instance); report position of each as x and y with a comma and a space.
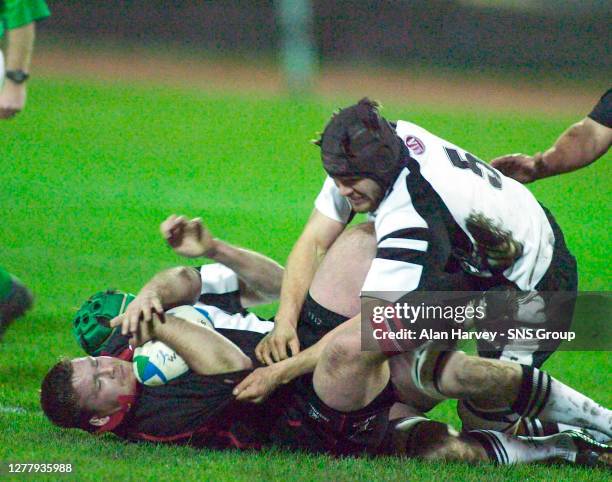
582, 449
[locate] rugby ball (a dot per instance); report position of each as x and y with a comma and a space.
155, 363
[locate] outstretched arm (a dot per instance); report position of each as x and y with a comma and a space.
318, 235
580, 145
260, 277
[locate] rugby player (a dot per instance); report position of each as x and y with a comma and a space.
444, 220
367, 429
198, 409
336, 285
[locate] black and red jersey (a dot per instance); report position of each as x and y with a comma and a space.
201, 410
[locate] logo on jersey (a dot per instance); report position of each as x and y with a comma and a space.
206, 314
415, 145
363, 425
316, 414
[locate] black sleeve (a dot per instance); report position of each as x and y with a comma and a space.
602, 112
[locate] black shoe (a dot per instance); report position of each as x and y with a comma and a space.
588, 451
19, 301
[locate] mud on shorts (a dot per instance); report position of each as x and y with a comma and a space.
549, 307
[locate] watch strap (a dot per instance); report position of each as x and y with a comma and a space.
17, 76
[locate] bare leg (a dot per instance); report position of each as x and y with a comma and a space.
526, 390
489, 383
346, 378
430, 440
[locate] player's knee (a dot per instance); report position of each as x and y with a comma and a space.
343, 351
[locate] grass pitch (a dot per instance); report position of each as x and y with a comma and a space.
90, 170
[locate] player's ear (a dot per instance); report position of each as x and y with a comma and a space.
99, 421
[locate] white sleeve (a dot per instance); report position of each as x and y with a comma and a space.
218, 279
191, 314
332, 204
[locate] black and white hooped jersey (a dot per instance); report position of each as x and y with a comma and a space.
220, 304
447, 200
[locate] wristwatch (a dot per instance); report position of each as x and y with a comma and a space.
17, 76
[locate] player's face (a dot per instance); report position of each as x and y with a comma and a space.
363, 193
99, 382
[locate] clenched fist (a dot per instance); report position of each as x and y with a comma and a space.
189, 238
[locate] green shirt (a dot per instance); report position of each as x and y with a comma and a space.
18, 13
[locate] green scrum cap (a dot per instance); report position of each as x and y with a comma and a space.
91, 327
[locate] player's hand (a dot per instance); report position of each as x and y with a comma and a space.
145, 332
521, 167
189, 238
141, 310
273, 347
258, 385
12, 99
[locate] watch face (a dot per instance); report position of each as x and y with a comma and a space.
17, 76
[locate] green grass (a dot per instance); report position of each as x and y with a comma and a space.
90, 170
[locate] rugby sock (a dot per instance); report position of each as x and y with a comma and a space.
506, 449
544, 397
6, 284
534, 427
497, 419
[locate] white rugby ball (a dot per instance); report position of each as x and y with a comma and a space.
155, 363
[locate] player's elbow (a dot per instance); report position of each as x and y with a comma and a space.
276, 282
239, 362
309, 241
269, 287
235, 361
319, 234
585, 142
189, 280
